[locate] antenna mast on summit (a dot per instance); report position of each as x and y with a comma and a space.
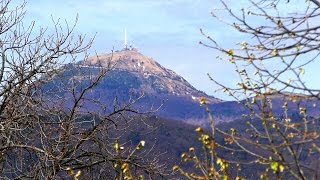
125, 39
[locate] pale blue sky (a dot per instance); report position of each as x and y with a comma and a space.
166, 30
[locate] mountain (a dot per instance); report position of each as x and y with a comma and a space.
133, 75
155, 78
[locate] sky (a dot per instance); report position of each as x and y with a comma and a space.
166, 30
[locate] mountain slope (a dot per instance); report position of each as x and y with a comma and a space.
156, 78
134, 75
